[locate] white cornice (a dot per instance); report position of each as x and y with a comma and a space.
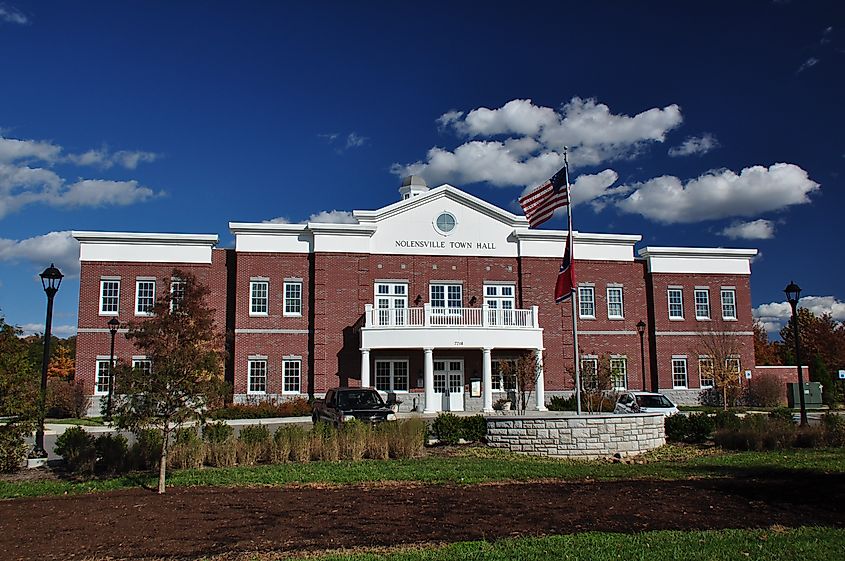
266, 228
338, 229
142, 238
582, 237
698, 252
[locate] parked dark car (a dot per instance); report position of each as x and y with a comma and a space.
344, 404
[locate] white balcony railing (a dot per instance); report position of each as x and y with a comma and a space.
428, 316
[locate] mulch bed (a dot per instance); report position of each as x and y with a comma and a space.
192, 522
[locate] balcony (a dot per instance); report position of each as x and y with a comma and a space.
430, 327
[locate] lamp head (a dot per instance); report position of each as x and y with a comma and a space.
51, 278
793, 293
113, 324
641, 327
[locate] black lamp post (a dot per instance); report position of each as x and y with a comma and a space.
114, 325
793, 293
51, 279
641, 331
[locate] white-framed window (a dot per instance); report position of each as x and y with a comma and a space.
587, 302
503, 375
101, 382
259, 297
702, 303
177, 293
145, 297
500, 300
733, 365
109, 297
293, 299
291, 375
257, 376
589, 371
676, 303
614, 303
392, 375
679, 372
145, 365
705, 372
445, 297
619, 372
391, 300
728, 303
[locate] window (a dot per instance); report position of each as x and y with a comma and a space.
293, 299
614, 302
391, 302
291, 375
619, 372
679, 373
101, 383
500, 301
733, 365
177, 293
109, 297
586, 302
589, 371
702, 303
392, 375
504, 375
676, 303
446, 296
145, 365
257, 377
728, 303
705, 372
445, 223
145, 297
258, 298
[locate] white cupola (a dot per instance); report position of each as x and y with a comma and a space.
412, 186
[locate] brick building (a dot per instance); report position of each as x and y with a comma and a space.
425, 298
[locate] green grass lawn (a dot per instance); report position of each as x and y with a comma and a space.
807, 544
85, 422
471, 465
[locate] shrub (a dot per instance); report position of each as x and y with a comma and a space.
13, 448
280, 448
448, 428
297, 407
699, 427
188, 450
809, 437
726, 420
834, 429
145, 453
220, 446
676, 428
66, 398
111, 453
217, 433
757, 432
76, 447
560, 403
253, 445
767, 391
475, 428
353, 440
783, 414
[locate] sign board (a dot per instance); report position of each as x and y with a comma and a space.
475, 388
842, 374
747, 374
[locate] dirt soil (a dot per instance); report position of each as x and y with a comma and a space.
192, 522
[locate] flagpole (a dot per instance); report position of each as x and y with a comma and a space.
571, 241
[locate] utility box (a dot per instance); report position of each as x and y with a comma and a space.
812, 395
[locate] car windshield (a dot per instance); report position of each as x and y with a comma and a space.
653, 401
360, 398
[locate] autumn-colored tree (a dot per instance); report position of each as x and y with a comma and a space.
61, 364
18, 397
720, 344
766, 353
822, 347
186, 373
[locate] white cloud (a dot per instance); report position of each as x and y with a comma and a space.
56, 247
536, 138
807, 64
102, 158
100, 192
326, 216
695, 145
754, 230
277, 220
720, 194
13, 149
10, 14
775, 315
354, 140
38, 328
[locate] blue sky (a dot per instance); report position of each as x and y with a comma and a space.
716, 124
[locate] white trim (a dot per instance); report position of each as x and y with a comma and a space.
246, 331
249, 364
297, 361
670, 333
285, 311
109, 312
608, 332
252, 284
621, 301
139, 280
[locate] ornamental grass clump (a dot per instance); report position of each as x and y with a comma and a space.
353, 440
280, 448
220, 445
378, 444
405, 438
253, 445
300, 444
188, 450
324, 442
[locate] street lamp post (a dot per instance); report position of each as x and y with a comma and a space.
51, 279
793, 293
641, 331
114, 325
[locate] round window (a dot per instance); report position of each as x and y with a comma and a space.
445, 223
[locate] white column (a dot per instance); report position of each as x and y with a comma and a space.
540, 390
428, 380
487, 380
365, 368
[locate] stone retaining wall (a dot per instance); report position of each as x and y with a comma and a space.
569, 436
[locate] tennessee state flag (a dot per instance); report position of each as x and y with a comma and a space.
566, 276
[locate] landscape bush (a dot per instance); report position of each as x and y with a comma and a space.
763, 432
13, 448
560, 403
253, 445
187, 451
66, 399
766, 391
785, 414
266, 409
693, 429
726, 420
834, 429
353, 440
448, 428
77, 448
112, 451
145, 452
221, 449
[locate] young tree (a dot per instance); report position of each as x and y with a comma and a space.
18, 397
720, 345
61, 364
186, 374
524, 370
597, 384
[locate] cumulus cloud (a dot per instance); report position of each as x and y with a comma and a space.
27, 177
55, 247
535, 137
720, 194
695, 145
754, 230
326, 216
775, 315
10, 14
64, 330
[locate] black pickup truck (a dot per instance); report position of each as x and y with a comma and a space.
344, 404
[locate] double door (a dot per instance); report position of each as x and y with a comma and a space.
449, 385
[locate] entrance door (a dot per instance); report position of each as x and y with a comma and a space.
391, 302
449, 384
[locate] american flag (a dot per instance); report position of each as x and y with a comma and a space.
539, 205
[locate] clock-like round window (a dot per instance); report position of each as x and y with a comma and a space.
445, 223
